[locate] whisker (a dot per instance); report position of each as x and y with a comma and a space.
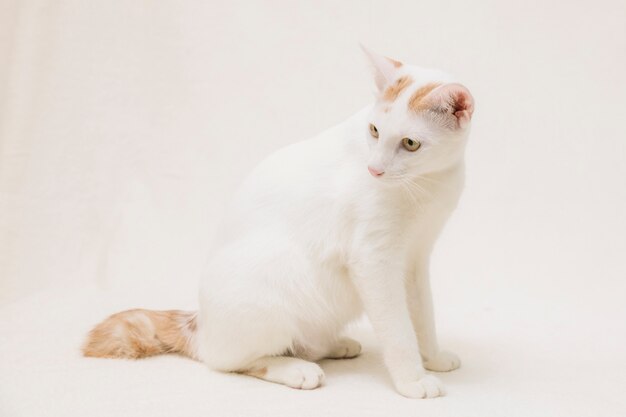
414, 192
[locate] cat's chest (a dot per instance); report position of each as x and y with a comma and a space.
395, 219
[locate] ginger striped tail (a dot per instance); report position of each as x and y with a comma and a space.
140, 333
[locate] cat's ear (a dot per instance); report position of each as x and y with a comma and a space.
454, 100
384, 68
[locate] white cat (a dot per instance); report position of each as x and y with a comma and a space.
313, 240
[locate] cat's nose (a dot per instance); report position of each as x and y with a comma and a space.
375, 172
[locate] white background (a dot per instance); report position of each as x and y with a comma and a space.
125, 126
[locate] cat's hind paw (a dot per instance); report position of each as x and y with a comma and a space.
444, 361
304, 376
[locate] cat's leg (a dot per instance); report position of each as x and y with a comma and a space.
344, 348
248, 315
423, 317
380, 283
293, 372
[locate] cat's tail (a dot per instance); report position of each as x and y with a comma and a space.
139, 333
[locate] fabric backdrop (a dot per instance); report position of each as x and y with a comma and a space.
126, 125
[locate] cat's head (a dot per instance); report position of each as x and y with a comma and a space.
419, 122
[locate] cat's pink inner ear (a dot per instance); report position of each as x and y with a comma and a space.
394, 62
385, 69
454, 99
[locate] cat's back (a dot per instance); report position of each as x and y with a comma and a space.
313, 166
305, 179
313, 159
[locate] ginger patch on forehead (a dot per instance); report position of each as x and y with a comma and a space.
393, 91
417, 102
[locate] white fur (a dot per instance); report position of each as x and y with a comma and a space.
312, 241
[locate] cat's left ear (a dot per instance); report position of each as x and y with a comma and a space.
455, 100
385, 69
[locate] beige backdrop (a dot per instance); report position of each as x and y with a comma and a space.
125, 125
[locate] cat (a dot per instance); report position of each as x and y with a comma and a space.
320, 232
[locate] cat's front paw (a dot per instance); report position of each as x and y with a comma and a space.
427, 386
444, 361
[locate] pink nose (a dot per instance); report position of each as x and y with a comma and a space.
375, 172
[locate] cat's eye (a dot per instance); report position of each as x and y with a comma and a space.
373, 131
410, 144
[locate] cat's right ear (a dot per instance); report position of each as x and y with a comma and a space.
384, 68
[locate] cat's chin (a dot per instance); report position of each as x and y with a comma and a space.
392, 180
388, 182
